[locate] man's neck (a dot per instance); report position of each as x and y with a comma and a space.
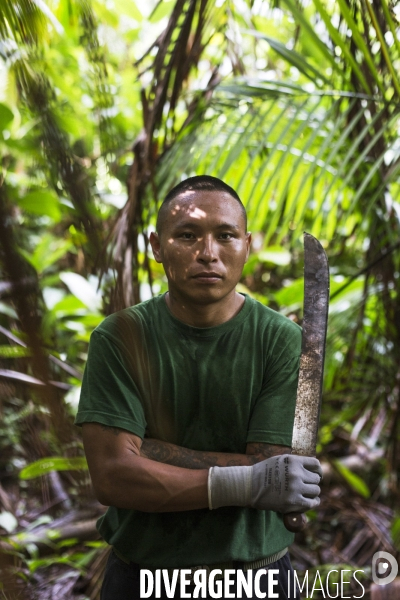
209, 315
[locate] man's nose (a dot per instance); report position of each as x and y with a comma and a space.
207, 251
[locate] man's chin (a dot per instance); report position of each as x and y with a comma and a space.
205, 295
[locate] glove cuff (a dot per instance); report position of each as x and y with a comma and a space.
229, 486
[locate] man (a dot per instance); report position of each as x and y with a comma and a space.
187, 409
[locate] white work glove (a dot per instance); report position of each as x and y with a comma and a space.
285, 483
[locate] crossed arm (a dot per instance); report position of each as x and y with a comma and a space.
156, 476
194, 459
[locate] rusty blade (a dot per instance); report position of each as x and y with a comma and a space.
309, 389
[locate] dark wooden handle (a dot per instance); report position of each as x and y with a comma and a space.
295, 522
389, 591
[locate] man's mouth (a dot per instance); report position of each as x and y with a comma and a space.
207, 277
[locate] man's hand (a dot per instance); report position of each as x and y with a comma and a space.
284, 484
287, 483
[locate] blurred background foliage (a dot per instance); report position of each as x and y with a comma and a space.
104, 106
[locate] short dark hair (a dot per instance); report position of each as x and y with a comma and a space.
201, 183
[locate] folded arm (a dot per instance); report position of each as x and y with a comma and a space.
123, 478
172, 454
156, 476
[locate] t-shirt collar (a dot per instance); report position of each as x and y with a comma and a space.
217, 330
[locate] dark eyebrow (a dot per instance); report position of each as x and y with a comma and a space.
228, 226
194, 224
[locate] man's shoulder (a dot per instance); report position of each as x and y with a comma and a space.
270, 319
129, 321
278, 335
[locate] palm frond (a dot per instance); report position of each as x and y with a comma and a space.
25, 20
314, 141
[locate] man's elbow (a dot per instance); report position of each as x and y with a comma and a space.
113, 486
109, 480
113, 497
103, 487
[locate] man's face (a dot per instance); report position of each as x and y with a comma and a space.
203, 245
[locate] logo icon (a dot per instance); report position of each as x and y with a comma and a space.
384, 568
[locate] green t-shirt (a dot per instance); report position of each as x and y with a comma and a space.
211, 389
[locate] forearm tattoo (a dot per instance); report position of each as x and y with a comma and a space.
264, 451
178, 456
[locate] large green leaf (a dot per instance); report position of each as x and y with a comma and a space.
41, 202
48, 251
292, 295
82, 289
293, 57
129, 8
6, 116
52, 463
353, 480
298, 14
14, 352
275, 255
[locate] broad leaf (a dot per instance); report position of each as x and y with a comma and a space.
83, 290
6, 116
53, 463
41, 202
353, 480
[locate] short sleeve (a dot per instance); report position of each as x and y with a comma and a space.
273, 414
110, 395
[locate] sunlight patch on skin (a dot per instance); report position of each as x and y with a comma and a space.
192, 211
175, 209
196, 212
186, 195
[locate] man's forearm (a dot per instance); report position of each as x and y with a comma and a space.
171, 454
161, 478
123, 478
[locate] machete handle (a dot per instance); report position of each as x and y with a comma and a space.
295, 522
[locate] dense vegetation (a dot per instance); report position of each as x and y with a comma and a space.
105, 105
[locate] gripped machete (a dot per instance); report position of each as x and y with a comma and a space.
309, 389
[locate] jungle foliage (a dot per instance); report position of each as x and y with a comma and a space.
104, 106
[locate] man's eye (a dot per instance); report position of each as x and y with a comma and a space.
226, 236
187, 235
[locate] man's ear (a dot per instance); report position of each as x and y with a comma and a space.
248, 244
156, 246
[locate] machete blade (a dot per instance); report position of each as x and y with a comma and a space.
309, 389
